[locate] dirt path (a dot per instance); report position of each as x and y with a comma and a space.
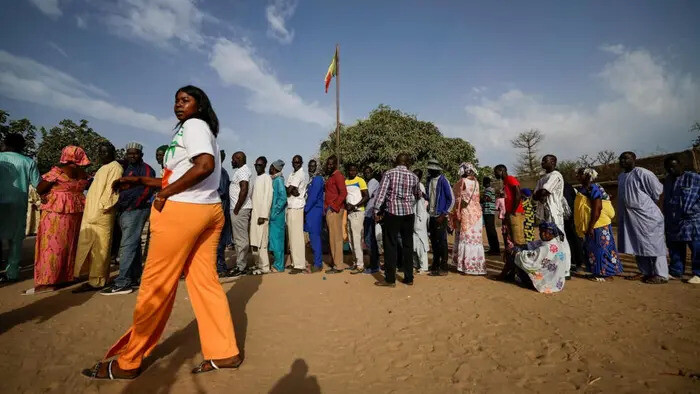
341, 334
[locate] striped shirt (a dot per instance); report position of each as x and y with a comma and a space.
398, 192
489, 206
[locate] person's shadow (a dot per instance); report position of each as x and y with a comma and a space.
297, 381
183, 345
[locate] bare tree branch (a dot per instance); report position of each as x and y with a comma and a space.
528, 141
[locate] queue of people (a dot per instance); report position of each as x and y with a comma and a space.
265, 213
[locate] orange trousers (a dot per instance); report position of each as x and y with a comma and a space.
184, 237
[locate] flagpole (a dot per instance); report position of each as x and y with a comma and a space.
337, 102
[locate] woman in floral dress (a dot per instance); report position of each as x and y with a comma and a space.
468, 250
61, 190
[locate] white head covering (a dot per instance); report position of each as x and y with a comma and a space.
593, 174
465, 168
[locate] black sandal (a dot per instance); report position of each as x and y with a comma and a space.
92, 373
86, 288
213, 367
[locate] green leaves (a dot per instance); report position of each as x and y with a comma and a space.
20, 126
69, 133
377, 140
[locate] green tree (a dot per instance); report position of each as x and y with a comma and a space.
68, 133
528, 162
20, 126
377, 140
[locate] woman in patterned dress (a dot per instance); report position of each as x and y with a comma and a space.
61, 190
593, 214
468, 250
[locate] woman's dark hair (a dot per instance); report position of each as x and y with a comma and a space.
205, 111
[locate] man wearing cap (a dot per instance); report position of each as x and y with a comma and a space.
296, 192
278, 210
440, 202
132, 211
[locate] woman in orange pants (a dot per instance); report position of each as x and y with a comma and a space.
186, 220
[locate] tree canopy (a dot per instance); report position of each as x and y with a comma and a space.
377, 140
69, 133
20, 126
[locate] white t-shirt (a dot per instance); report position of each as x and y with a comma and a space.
297, 179
241, 174
192, 139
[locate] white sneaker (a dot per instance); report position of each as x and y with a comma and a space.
694, 280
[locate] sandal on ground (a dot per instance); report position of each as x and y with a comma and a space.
209, 365
86, 288
33, 291
594, 278
656, 280
93, 373
636, 277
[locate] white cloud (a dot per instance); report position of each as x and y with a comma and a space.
277, 14
26, 80
237, 65
160, 22
649, 106
57, 48
48, 7
81, 21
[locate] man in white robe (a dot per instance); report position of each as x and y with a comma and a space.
296, 201
552, 206
260, 216
640, 221
421, 241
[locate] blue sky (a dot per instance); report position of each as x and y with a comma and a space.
591, 75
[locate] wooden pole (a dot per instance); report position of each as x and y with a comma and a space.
337, 102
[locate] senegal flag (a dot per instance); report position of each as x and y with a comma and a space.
331, 69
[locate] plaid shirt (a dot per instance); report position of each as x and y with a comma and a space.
681, 207
398, 192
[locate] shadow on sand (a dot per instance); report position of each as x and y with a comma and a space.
43, 309
297, 380
183, 345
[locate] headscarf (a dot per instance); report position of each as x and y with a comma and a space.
526, 192
465, 168
278, 164
74, 154
551, 226
593, 174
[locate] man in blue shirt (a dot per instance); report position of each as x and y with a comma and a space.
17, 172
682, 218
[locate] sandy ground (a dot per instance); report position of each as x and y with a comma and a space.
340, 334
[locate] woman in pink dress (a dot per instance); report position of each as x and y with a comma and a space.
468, 250
61, 190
